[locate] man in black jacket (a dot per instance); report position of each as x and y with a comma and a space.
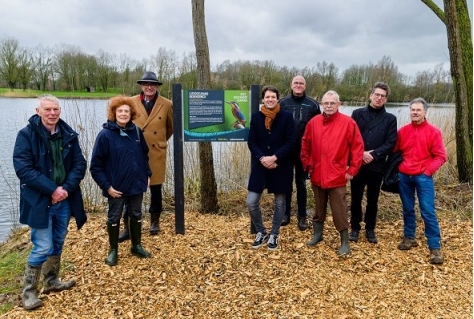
303, 109
379, 132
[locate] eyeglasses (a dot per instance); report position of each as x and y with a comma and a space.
148, 84
298, 83
329, 103
382, 96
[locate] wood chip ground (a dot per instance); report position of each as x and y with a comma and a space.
212, 272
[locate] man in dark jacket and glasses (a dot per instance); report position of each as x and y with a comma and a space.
379, 132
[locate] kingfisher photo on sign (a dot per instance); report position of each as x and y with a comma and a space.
216, 115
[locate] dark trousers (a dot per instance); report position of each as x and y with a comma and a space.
301, 192
156, 201
131, 204
373, 181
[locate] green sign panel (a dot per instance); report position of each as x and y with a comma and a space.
216, 115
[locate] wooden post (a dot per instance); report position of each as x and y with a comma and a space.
254, 108
178, 158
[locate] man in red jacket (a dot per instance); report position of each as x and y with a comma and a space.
422, 148
331, 151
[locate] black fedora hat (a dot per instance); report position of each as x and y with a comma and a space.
149, 77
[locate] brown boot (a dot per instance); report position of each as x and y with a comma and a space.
436, 257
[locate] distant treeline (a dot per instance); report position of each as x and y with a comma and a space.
68, 68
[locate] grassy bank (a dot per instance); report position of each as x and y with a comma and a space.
18, 93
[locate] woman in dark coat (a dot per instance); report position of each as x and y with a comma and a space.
271, 142
119, 165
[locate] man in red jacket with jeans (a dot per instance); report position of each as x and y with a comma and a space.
422, 148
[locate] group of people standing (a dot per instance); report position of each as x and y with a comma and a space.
332, 149
129, 156
288, 138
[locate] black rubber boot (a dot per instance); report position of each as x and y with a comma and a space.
136, 236
302, 224
125, 234
317, 235
113, 231
30, 288
50, 272
154, 224
344, 249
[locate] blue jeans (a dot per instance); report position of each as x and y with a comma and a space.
50, 241
253, 200
424, 187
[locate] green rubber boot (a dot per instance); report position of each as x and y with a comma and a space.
136, 237
113, 231
318, 234
344, 249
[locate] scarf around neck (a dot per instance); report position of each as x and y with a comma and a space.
148, 104
270, 115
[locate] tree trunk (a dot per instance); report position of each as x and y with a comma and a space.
461, 72
208, 185
458, 26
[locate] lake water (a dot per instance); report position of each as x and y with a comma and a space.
90, 114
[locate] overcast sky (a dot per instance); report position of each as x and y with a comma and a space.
292, 33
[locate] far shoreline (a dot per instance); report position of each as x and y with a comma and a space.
106, 96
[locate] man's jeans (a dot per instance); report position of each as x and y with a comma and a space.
423, 185
253, 200
50, 241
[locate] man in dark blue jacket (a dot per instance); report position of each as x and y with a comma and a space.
303, 109
379, 132
48, 161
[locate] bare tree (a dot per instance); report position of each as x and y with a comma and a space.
249, 74
329, 75
42, 60
187, 71
9, 60
165, 64
208, 186
106, 69
25, 67
65, 65
458, 26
